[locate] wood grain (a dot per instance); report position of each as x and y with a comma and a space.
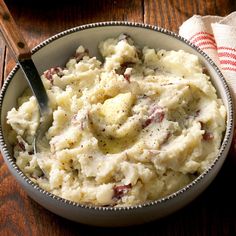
12, 35
2, 60
213, 213
171, 14
61, 15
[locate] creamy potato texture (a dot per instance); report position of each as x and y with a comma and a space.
134, 128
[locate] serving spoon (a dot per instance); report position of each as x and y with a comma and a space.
22, 54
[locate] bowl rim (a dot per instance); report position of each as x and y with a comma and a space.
227, 136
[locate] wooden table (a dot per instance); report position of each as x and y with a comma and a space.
213, 213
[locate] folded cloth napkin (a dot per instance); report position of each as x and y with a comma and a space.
216, 36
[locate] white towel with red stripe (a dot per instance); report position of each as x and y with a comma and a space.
216, 36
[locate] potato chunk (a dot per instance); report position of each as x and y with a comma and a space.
116, 110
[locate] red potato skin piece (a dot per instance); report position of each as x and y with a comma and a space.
79, 55
157, 115
120, 191
22, 146
49, 73
207, 136
127, 77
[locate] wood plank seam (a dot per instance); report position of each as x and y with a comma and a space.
3, 64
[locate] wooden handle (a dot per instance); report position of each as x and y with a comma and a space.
12, 35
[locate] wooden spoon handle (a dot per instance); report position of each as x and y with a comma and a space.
12, 35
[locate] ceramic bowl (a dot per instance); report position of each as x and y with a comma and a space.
55, 51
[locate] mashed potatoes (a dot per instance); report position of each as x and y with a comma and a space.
135, 128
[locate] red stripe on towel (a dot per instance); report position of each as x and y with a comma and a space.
227, 48
201, 33
228, 62
227, 54
229, 68
203, 37
206, 43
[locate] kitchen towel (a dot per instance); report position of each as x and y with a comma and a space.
216, 36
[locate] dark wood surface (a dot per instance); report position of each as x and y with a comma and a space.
213, 213
12, 35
